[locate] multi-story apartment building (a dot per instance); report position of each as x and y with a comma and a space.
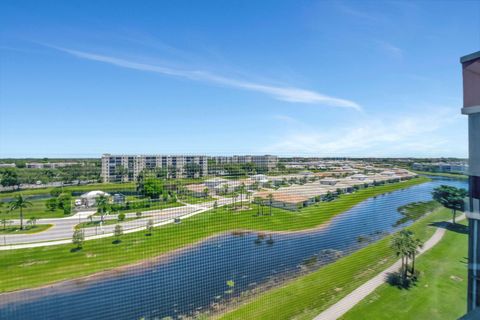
471, 107
448, 167
49, 165
116, 168
267, 162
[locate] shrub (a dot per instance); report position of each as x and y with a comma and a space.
121, 216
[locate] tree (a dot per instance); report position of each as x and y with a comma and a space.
414, 246
121, 216
9, 178
153, 188
32, 221
138, 214
149, 227
4, 222
20, 203
102, 205
234, 198
51, 204
451, 198
118, 232
270, 201
192, 169
242, 190
78, 238
225, 189
406, 246
205, 192
257, 200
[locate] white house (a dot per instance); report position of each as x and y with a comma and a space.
89, 199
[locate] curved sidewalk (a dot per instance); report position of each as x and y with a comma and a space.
348, 302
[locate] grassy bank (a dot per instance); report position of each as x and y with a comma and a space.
439, 294
309, 295
443, 174
23, 267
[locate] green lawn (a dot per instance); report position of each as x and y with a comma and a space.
308, 296
194, 200
129, 186
443, 174
37, 210
439, 294
15, 229
95, 223
22, 267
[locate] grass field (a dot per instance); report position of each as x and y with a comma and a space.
95, 223
15, 229
440, 292
57, 263
37, 210
307, 296
443, 174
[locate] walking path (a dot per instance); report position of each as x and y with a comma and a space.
63, 228
348, 302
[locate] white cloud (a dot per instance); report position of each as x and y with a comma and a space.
416, 134
391, 49
290, 94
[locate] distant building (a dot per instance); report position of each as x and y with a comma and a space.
123, 168
450, 167
49, 165
8, 165
265, 162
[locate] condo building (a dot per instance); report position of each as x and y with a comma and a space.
123, 168
471, 107
266, 162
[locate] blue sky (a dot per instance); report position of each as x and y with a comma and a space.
324, 78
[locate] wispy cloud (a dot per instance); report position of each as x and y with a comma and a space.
417, 134
390, 49
291, 94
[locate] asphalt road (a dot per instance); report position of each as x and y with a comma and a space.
63, 227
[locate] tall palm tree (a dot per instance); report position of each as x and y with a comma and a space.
415, 244
19, 202
102, 205
270, 201
242, 191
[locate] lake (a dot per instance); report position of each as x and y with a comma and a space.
197, 277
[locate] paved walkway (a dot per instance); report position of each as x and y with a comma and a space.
348, 302
62, 229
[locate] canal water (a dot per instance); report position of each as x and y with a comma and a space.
196, 278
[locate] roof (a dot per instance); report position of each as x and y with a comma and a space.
195, 187
470, 57
283, 197
94, 194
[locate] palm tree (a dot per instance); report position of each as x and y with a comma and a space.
235, 196
414, 246
242, 190
225, 189
402, 244
205, 192
102, 205
270, 201
257, 200
4, 222
20, 203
